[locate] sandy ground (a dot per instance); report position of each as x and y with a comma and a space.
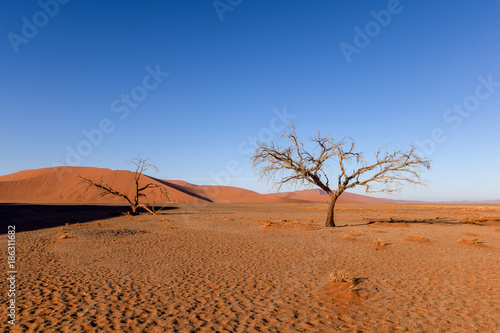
255, 268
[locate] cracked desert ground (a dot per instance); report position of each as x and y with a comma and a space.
256, 268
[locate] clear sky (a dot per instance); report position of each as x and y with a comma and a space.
191, 84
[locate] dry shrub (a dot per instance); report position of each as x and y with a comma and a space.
227, 218
471, 241
476, 221
379, 242
163, 220
211, 217
345, 281
266, 223
417, 239
341, 276
354, 288
279, 223
62, 234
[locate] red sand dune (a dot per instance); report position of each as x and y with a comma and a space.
318, 195
228, 194
62, 185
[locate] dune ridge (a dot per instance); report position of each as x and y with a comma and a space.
62, 185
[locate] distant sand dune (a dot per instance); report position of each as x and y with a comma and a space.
62, 185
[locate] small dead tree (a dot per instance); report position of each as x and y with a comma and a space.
294, 164
141, 165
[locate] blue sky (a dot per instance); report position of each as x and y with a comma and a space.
192, 83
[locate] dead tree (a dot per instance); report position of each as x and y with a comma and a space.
141, 165
294, 164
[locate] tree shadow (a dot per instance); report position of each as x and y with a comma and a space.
410, 221
28, 217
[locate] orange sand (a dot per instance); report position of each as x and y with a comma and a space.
205, 267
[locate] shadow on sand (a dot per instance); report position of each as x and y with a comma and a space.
27, 217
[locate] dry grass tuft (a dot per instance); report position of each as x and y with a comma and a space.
476, 221
225, 218
62, 234
471, 241
344, 281
379, 242
279, 223
351, 236
354, 288
341, 276
211, 217
417, 239
266, 223
163, 220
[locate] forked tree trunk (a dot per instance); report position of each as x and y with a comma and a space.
330, 217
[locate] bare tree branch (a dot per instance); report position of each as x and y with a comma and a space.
293, 164
141, 165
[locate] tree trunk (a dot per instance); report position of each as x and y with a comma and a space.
330, 221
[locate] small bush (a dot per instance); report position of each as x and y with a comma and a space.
469, 241
379, 242
340, 276
344, 281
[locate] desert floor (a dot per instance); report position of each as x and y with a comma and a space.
255, 268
